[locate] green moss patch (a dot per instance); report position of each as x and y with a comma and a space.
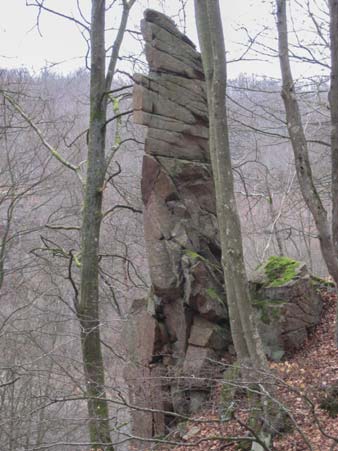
269, 309
318, 281
280, 270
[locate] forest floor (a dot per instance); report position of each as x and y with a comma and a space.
302, 381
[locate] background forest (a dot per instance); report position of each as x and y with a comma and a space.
45, 129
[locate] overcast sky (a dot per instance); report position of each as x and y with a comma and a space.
21, 45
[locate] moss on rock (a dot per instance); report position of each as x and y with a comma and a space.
320, 282
269, 309
280, 270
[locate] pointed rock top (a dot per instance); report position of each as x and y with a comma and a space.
163, 21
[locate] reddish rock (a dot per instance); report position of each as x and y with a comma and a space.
180, 329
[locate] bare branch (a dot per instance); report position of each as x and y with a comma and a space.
126, 207
40, 4
51, 149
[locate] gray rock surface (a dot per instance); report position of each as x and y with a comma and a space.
287, 311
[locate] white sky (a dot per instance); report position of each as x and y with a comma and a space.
61, 41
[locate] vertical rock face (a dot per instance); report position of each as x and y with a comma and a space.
183, 324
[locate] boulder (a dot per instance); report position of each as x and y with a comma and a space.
287, 304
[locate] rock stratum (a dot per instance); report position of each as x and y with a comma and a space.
177, 333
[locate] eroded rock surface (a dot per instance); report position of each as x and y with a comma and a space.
183, 324
287, 303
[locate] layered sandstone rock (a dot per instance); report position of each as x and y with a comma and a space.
183, 323
175, 337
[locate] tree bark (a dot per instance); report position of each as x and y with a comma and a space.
247, 342
89, 290
333, 98
88, 308
301, 153
242, 317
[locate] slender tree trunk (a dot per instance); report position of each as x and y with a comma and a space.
247, 342
89, 291
88, 308
333, 97
242, 317
274, 217
301, 153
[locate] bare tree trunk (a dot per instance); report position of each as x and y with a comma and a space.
88, 308
247, 342
215, 72
274, 217
300, 149
333, 97
242, 317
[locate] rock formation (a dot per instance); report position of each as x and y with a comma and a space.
182, 326
175, 336
287, 302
